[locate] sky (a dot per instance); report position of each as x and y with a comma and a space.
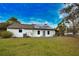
32, 13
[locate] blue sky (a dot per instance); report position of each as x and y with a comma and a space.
37, 13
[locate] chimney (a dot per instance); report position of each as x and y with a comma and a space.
45, 25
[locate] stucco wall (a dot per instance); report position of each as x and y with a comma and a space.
35, 33
52, 33
16, 32
32, 33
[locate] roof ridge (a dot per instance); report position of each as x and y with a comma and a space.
29, 26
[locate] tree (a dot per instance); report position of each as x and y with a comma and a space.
6, 34
12, 20
60, 28
3, 26
73, 13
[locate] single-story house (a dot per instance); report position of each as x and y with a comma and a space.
31, 30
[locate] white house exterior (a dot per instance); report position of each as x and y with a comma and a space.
24, 30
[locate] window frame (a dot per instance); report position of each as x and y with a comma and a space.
48, 32
38, 32
20, 30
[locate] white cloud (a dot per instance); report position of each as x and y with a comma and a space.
46, 22
1, 19
0, 16
67, 4
63, 15
32, 18
36, 19
52, 25
39, 21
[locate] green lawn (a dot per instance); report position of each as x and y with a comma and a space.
56, 46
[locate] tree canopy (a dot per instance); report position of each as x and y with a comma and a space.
3, 26
73, 13
12, 20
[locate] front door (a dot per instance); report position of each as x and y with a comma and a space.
44, 33
24, 35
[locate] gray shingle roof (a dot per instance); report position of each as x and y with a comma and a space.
28, 26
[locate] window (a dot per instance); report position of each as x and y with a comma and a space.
48, 32
38, 32
20, 30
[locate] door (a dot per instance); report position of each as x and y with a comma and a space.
43, 33
24, 35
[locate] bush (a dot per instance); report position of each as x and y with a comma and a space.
0, 33
6, 34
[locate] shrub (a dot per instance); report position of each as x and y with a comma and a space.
6, 34
0, 33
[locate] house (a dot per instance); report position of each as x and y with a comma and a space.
31, 30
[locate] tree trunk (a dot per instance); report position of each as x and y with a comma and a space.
74, 28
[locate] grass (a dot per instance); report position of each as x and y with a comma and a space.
56, 46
